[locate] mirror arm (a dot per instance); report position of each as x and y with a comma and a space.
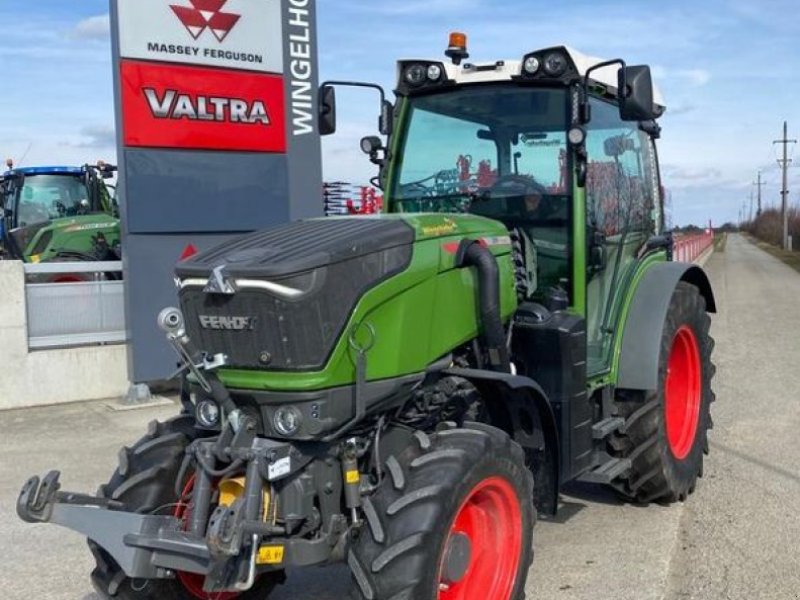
585, 112
385, 124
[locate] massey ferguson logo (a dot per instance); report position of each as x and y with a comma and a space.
227, 323
206, 14
175, 105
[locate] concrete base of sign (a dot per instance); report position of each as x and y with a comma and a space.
43, 377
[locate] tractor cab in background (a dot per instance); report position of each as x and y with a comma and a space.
59, 213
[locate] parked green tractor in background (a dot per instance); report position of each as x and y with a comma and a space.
59, 213
405, 392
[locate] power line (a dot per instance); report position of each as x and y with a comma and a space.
784, 164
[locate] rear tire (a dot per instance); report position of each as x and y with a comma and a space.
145, 483
666, 431
442, 487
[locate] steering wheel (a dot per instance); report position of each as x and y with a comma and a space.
518, 186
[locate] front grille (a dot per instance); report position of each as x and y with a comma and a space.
283, 334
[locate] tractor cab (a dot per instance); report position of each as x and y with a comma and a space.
557, 145
48, 212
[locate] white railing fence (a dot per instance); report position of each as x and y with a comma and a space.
74, 304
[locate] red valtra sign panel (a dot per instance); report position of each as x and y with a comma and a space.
173, 106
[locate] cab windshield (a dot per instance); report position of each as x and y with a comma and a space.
40, 198
499, 151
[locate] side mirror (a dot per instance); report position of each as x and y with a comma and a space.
327, 110
635, 85
618, 145
373, 146
387, 118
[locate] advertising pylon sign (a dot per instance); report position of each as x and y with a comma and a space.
216, 133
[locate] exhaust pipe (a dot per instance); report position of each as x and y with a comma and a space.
473, 254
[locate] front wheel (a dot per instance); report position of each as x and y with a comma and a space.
665, 433
452, 520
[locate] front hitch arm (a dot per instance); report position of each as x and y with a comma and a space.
103, 521
38, 497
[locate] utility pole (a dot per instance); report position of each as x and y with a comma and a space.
760, 184
785, 188
750, 218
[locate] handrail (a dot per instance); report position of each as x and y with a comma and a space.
46, 268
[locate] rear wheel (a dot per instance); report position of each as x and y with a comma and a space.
665, 434
145, 483
452, 520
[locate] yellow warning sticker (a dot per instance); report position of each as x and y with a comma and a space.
270, 555
352, 477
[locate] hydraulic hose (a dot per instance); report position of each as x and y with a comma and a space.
473, 254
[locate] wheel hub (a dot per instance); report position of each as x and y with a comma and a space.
456, 559
683, 392
481, 558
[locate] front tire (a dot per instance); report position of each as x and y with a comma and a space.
666, 431
452, 520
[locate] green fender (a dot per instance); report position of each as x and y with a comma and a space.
641, 338
519, 406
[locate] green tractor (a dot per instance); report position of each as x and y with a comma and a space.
406, 392
59, 214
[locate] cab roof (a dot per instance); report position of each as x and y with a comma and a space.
506, 70
46, 171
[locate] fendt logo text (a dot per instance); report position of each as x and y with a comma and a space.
227, 323
206, 14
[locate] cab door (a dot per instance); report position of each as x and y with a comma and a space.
622, 212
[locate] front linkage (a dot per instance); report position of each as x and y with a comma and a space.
224, 545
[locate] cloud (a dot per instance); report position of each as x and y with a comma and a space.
93, 28
681, 176
681, 109
414, 7
98, 136
697, 77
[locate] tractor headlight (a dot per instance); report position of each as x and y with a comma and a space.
531, 65
287, 420
555, 64
434, 72
207, 413
416, 74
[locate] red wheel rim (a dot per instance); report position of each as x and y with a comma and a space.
193, 582
683, 390
492, 520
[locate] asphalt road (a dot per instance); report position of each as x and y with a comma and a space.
738, 536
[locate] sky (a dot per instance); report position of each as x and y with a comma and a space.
728, 70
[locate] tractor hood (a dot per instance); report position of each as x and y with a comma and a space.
310, 244
300, 246
281, 298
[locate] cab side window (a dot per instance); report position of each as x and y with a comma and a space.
621, 205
